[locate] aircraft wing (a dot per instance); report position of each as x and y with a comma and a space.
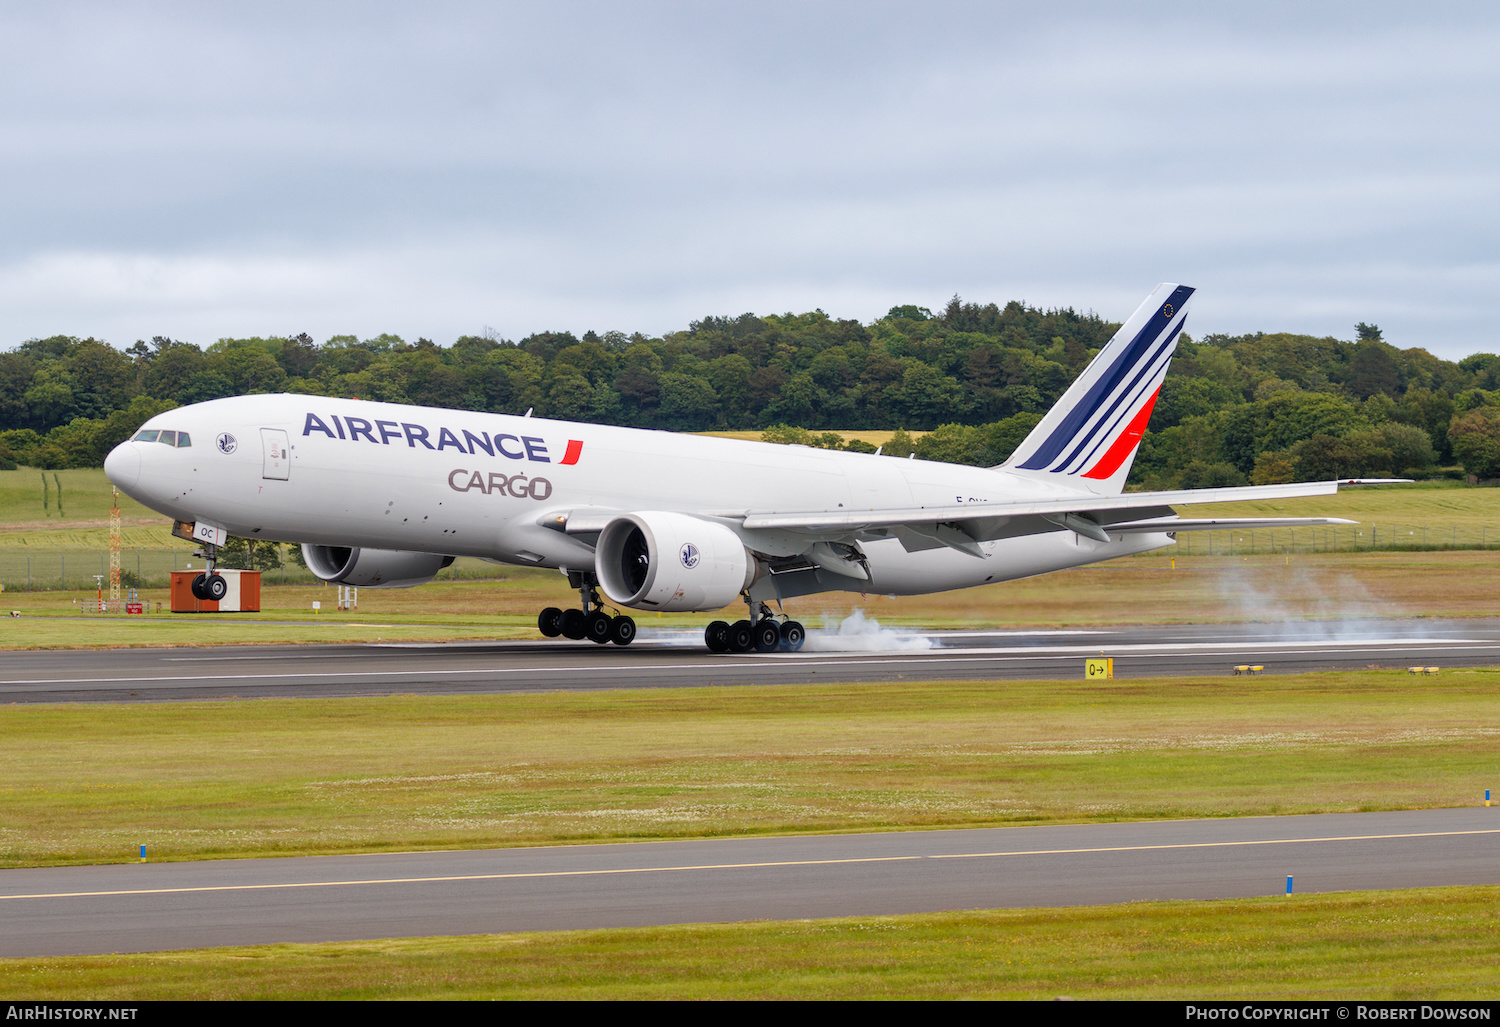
1099, 508
962, 526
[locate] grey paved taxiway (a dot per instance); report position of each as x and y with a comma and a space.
661, 659
149, 907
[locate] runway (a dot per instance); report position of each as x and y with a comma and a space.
150, 907
678, 659
140, 908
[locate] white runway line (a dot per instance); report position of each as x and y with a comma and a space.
765, 865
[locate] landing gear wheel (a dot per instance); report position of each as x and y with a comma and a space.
572, 624
716, 637
197, 586
622, 631
549, 622
792, 636
767, 636
215, 588
598, 626
741, 636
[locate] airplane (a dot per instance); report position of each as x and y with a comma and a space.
382, 495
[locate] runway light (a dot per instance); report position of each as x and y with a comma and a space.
143, 854
1288, 884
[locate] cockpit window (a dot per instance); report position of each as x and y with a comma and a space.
179, 439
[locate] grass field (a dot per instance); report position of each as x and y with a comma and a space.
90, 784
1422, 944
86, 784
1185, 590
1441, 506
86, 499
875, 438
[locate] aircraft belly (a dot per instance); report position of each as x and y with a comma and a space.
894, 571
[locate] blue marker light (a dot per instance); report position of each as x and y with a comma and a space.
1288, 884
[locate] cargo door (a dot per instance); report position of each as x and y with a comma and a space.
278, 454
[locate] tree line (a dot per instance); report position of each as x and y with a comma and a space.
975, 377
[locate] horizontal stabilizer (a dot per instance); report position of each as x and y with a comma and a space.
1153, 524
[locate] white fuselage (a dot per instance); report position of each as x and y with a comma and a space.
340, 472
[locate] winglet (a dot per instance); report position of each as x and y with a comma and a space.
1089, 439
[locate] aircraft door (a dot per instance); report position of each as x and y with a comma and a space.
278, 454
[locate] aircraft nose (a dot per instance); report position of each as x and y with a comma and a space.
123, 465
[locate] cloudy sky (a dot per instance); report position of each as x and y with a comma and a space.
431, 170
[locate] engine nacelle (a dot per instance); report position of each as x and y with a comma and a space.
373, 568
659, 560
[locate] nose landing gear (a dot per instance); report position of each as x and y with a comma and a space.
765, 632
591, 621
210, 585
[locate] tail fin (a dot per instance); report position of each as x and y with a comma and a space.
1088, 440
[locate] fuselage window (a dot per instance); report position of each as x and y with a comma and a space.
183, 440
168, 437
147, 436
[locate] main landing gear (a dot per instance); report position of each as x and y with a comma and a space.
591, 622
763, 633
210, 585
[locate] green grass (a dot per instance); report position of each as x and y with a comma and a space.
86, 497
1183, 590
1432, 502
1423, 944
876, 437
1441, 505
90, 784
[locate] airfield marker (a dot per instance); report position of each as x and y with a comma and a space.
1288, 884
143, 854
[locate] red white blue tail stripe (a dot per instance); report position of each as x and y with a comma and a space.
1094, 430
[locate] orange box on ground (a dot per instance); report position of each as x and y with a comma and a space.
243, 595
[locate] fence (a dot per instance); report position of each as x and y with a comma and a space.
29, 569
1342, 538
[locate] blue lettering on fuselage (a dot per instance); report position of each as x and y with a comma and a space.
513, 447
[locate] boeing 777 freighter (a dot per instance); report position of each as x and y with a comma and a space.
384, 496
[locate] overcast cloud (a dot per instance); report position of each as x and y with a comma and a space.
430, 170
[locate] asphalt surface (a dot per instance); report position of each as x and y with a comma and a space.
151, 907
667, 659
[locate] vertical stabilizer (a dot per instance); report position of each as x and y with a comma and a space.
1089, 439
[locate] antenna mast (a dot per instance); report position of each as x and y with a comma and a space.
114, 553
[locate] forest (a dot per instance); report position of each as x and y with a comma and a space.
1258, 408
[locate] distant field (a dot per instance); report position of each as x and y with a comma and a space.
1421, 944
1188, 589
86, 498
1420, 515
1438, 506
66, 552
874, 438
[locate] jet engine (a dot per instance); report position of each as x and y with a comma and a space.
373, 568
659, 560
